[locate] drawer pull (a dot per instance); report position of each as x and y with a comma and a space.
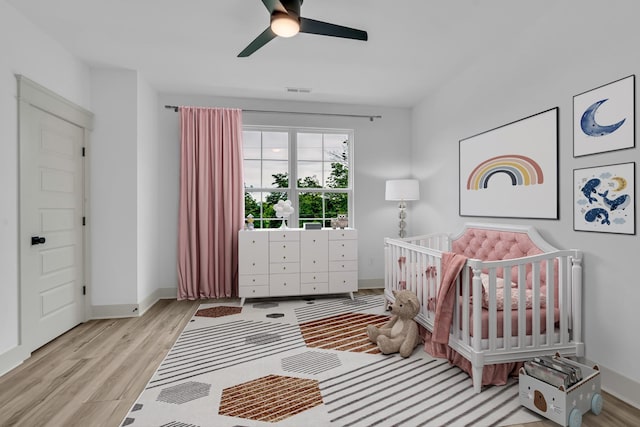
284, 268
253, 241
284, 246
253, 263
342, 265
343, 245
284, 257
314, 278
314, 261
253, 280
254, 291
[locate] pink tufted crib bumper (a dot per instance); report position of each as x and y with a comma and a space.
495, 245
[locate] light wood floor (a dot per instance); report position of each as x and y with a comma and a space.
92, 375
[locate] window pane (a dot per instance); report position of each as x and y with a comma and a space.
337, 175
309, 146
309, 174
310, 205
336, 203
275, 145
275, 174
252, 173
251, 144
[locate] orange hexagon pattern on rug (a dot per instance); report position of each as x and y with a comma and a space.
219, 311
345, 332
271, 399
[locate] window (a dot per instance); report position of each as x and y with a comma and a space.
319, 163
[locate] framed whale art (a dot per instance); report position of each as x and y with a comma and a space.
604, 199
511, 171
604, 118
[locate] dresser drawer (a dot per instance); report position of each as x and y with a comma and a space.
284, 235
284, 285
253, 253
284, 251
284, 268
343, 250
345, 234
319, 277
343, 282
253, 291
343, 266
253, 280
314, 288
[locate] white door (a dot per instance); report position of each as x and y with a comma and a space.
51, 215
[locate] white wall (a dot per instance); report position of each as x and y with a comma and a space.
571, 51
381, 151
149, 228
114, 191
24, 50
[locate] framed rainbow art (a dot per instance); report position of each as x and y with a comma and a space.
512, 171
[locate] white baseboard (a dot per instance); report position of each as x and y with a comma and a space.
12, 359
371, 284
620, 386
132, 310
114, 311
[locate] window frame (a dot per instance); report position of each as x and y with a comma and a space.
293, 191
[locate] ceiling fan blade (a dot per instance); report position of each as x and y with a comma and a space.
264, 38
311, 26
272, 5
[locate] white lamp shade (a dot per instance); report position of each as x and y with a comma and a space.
402, 189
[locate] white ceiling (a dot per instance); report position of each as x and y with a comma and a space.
191, 46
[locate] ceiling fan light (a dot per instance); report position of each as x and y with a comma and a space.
284, 25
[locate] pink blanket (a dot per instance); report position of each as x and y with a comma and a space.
451, 266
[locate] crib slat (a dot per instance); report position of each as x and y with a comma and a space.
535, 286
522, 297
507, 316
551, 286
493, 321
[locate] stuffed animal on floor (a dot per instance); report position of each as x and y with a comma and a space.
400, 334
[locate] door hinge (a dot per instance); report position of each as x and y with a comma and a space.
84, 220
84, 290
83, 152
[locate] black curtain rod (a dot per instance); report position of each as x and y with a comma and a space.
360, 116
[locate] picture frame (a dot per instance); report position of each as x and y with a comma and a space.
604, 199
604, 118
511, 171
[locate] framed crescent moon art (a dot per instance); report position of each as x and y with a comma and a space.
604, 118
604, 199
512, 171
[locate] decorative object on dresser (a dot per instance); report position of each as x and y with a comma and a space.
291, 262
402, 191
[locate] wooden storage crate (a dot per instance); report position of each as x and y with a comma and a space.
564, 407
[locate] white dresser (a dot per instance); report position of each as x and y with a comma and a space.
293, 261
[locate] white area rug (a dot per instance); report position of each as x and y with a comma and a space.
308, 363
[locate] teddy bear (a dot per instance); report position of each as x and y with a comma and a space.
400, 334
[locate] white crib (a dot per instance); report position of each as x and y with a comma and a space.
506, 256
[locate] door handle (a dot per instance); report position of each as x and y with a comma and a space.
37, 240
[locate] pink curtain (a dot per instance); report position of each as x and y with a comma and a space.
211, 202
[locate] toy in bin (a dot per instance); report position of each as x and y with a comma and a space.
560, 389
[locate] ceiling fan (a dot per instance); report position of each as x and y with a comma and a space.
287, 22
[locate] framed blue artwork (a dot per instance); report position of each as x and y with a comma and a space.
604, 118
604, 199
